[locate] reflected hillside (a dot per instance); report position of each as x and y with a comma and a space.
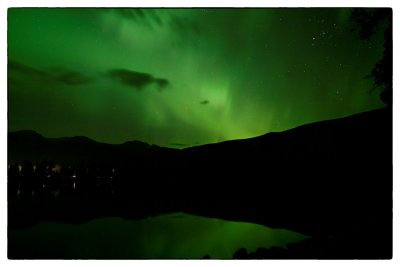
172, 236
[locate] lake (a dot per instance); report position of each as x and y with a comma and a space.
170, 236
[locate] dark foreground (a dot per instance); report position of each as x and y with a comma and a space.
330, 180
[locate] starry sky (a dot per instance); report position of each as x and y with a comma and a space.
184, 77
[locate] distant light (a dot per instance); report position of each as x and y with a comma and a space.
56, 168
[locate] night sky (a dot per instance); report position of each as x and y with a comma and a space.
182, 77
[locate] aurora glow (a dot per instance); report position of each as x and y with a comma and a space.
171, 236
184, 76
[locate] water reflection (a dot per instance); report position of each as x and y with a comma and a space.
175, 236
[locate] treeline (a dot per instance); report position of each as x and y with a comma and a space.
48, 179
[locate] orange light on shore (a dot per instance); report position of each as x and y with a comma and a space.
56, 168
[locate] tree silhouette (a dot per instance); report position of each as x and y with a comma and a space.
368, 21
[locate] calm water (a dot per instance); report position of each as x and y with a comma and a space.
166, 236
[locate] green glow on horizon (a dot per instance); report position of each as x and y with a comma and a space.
231, 73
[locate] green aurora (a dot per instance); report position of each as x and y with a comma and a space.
171, 236
181, 77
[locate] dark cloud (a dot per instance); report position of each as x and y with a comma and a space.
140, 15
14, 66
152, 18
20, 71
131, 13
204, 102
137, 80
162, 83
73, 78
